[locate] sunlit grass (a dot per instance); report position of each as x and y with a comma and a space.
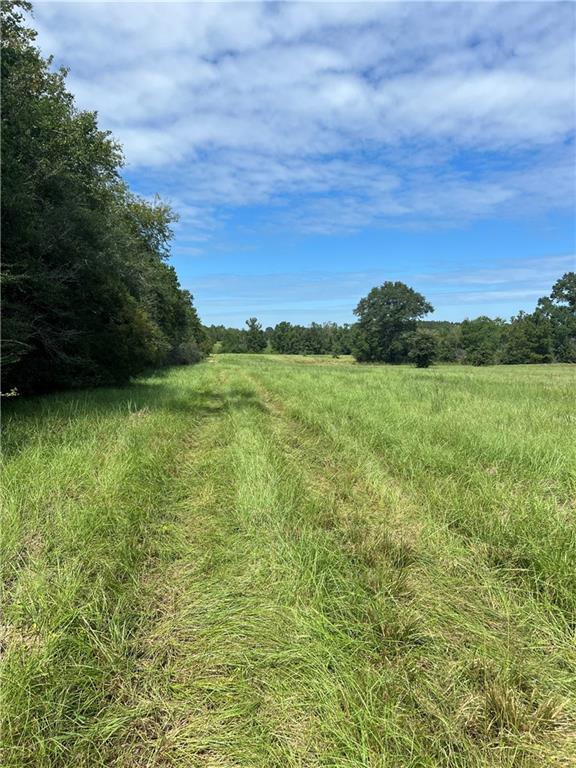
274, 561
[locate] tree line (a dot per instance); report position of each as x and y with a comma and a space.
283, 339
87, 294
391, 328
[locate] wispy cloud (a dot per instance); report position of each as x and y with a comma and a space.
321, 296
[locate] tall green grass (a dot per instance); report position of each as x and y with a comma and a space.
88, 485
267, 561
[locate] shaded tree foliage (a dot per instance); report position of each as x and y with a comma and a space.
286, 339
546, 335
481, 340
87, 294
449, 345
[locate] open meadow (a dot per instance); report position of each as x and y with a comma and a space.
269, 561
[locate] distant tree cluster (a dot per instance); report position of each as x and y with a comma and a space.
283, 339
87, 294
391, 329
315, 339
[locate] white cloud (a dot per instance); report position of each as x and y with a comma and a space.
364, 112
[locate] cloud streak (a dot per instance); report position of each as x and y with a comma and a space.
321, 296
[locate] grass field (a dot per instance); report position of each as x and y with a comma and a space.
273, 561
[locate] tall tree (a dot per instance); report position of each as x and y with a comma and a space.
284, 339
385, 317
255, 336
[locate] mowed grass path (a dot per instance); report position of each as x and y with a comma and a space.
271, 561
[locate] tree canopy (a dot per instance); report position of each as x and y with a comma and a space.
423, 348
385, 317
560, 310
87, 294
255, 336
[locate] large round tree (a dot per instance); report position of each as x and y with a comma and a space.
385, 317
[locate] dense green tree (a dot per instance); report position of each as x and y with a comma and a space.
564, 291
423, 347
448, 339
528, 339
340, 339
385, 317
481, 340
87, 294
255, 336
316, 340
268, 331
560, 310
282, 338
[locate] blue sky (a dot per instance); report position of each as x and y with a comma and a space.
314, 150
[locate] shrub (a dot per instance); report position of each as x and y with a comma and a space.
423, 348
186, 353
